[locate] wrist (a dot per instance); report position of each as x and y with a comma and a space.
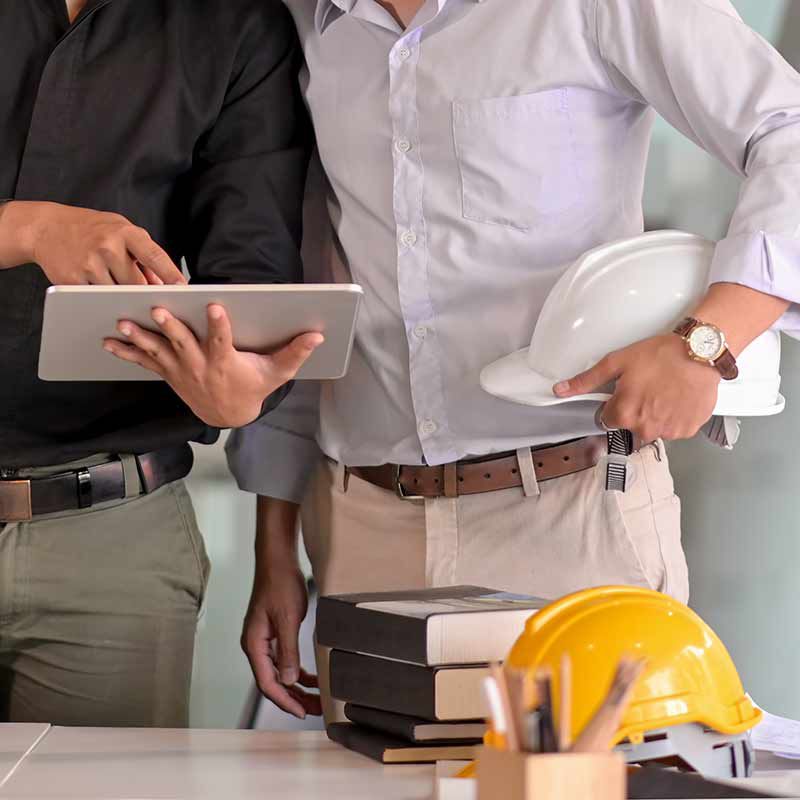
20, 221
278, 561
707, 344
742, 313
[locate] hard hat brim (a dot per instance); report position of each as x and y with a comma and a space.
725, 409
511, 378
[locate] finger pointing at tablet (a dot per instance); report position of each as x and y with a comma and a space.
79, 246
156, 265
224, 387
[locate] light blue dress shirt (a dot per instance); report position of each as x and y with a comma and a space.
468, 160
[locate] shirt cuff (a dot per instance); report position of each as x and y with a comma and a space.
271, 461
768, 263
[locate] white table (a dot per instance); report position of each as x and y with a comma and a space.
126, 764
112, 764
15, 742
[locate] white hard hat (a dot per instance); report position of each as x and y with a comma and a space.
619, 294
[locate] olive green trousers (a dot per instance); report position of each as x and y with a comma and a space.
98, 612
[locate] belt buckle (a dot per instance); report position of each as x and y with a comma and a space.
400, 491
15, 501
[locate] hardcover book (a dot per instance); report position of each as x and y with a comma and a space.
434, 627
391, 750
416, 730
436, 694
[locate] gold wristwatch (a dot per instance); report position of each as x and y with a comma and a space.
706, 343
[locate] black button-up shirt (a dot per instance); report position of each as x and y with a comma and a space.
181, 115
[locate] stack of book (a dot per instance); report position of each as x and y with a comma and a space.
410, 667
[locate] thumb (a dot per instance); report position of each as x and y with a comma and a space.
286, 361
605, 371
288, 651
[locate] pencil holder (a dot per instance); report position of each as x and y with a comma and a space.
552, 776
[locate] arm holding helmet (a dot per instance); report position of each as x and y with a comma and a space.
729, 91
660, 391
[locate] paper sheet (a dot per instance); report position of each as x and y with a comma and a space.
777, 735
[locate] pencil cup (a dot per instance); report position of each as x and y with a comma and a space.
558, 776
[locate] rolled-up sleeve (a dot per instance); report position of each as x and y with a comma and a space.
276, 455
722, 85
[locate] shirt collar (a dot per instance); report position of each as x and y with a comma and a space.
328, 11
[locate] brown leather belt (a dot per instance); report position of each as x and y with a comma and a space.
486, 475
22, 500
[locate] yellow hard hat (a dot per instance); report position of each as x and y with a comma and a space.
689, 677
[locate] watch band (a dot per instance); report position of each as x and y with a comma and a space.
685, 326
725, 363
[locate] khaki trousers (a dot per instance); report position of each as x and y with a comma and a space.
563, 535
98, 612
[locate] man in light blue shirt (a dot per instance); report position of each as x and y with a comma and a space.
471, 150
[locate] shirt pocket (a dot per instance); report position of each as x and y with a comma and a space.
518, 159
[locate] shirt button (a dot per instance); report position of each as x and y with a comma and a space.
409, 238
420, 331
404, 53
404, 145
428, 427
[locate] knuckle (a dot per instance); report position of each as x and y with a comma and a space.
649, 433
609, 361
108, 242
153, 253
618, 413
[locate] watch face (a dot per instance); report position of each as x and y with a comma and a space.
706, 342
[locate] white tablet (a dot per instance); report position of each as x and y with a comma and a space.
263, 317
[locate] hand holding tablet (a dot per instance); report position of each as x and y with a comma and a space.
224, 387
223, 349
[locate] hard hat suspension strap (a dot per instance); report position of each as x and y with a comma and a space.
620, 447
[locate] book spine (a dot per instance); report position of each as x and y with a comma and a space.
385, 685
343, 626
396, 725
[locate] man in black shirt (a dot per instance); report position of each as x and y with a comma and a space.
133, 133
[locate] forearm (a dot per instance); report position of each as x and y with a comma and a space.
276, 544
16, 232
742, 313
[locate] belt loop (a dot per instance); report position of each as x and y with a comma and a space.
130, 474
84, 479
450, 479
530, 484
342, 477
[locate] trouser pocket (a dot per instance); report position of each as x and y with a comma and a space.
201, 568
650, 517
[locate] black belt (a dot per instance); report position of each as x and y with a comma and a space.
22, 500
